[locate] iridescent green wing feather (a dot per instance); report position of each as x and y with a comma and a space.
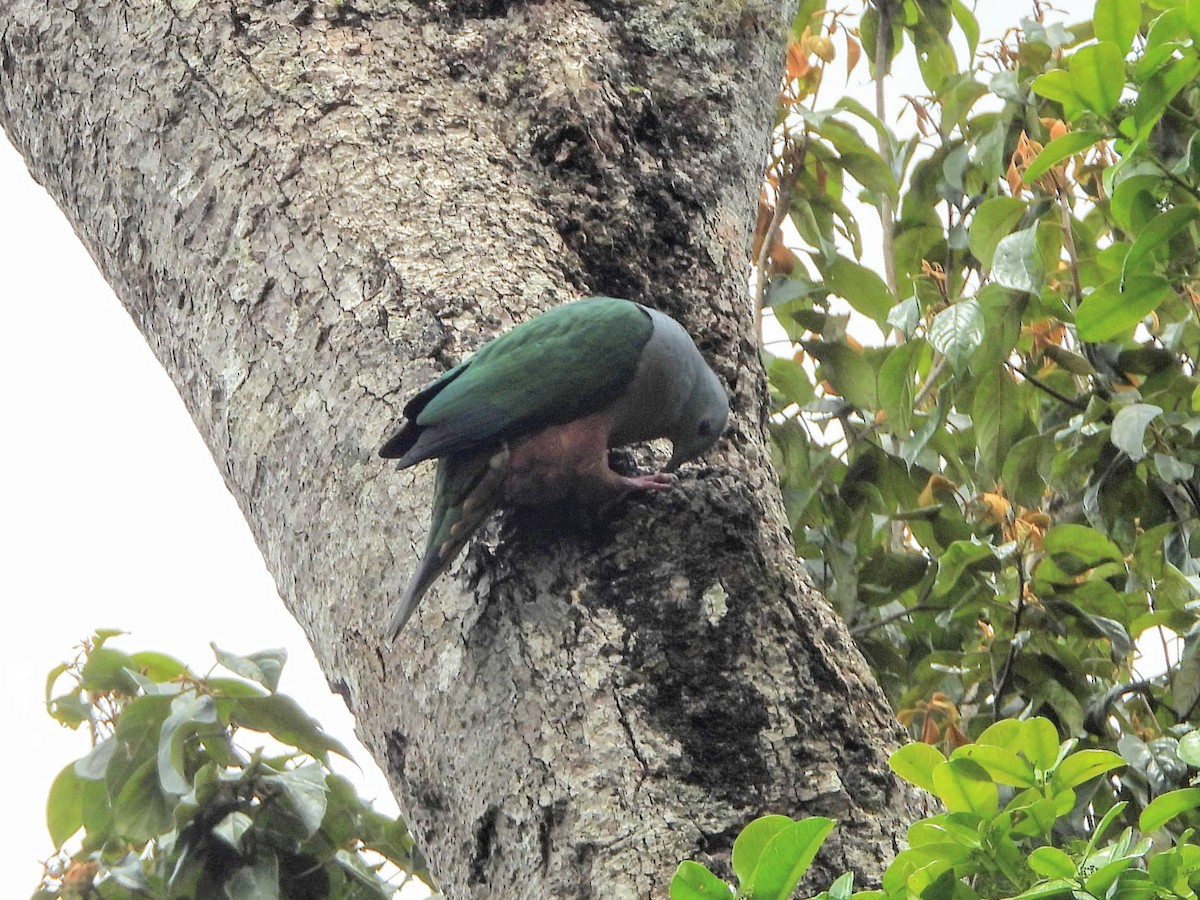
568, 363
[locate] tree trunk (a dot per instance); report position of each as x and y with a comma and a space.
310, 209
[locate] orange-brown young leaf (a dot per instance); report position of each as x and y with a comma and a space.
783, 260
853, 54
955, 737
1013, 177
797, 61
996, 507
930, 733
765, 214
822, 48
937, 484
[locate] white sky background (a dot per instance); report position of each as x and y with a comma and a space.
114, 514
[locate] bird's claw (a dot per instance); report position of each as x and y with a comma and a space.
658, 481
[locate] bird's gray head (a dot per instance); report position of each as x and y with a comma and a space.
701, 421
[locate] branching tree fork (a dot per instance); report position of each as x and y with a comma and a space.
312, 208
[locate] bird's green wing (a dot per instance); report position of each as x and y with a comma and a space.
567, 363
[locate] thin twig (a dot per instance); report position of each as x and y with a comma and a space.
783, 199
1069, 242
887, 214
935, 372
1042, 386
1006, 675
888, 620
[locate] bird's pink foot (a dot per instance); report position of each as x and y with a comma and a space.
658, 481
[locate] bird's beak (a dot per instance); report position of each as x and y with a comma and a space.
677, 459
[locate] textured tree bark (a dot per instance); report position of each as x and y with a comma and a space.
312, 208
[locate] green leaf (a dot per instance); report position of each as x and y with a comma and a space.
1040, 742
232, 687
882, 132
264, 666
1171, 469
1059, 86
1191, 21
1185, 686
957, 331
1156, 235
1017, 264
304, 792
749, 846
52, 681
97, 814
1007, 733
915, 763
1062, 147
1003, 765
281, 717
1098, 75
1082, 766
787, 857
231, 828
997, 415
1051, 862
1089, 545
1098, 883
157, 666
1065, 704
1114, 309
188, 711
993, 220
64, 806
105, 670
855, 156
1047, 889
71, 710
141, 811
257, 882
852, 373
1071, 361
693, 881
965, 786
968, 23
1129, 428
790, 379
862, 288
904, 316
884, 574
93, 766
842, 887
1117, 21
1164, 808
1040, 816
959, 97
1189, 748
897, 385
128, 873
959, 557
1135, 201
136, 737
1159, 90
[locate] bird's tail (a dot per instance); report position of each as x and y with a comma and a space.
467, 490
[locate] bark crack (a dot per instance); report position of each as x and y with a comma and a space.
627, 725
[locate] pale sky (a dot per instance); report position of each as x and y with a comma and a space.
116, 516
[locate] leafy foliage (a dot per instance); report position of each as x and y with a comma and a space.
170, 805
989, 453
1021, 822
770, 857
